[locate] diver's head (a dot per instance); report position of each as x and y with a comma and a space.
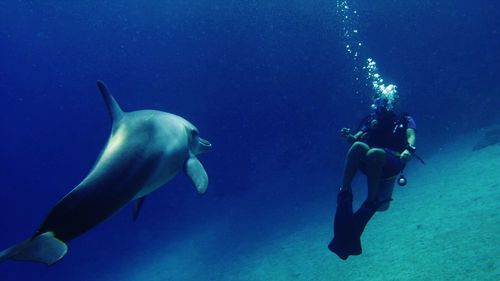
381, 106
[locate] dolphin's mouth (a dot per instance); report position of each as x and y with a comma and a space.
206, 145
203, 145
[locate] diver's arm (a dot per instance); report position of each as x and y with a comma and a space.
358, 136
410, 135
411, 138
346, 134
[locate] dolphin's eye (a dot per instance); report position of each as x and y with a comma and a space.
194, 133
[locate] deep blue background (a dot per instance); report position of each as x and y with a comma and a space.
267, 82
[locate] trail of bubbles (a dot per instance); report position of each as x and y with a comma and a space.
382, 94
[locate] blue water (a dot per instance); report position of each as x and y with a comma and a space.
268, 83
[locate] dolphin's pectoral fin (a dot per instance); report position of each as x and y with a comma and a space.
137, 207
194, 169
44, 248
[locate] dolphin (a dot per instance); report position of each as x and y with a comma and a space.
146, 149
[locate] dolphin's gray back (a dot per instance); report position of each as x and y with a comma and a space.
134, 159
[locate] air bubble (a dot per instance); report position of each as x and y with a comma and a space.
353, 48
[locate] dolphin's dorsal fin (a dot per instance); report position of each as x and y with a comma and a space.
114, 109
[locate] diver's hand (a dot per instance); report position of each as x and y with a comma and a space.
405, 156
345, 133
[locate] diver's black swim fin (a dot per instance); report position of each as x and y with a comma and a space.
363, 216
345, 241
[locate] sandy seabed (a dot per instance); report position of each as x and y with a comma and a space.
444, 226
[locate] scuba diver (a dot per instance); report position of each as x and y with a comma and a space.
383, 144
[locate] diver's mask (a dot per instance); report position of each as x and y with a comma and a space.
381, 110
380, 105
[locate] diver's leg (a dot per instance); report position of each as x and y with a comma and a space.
375, 161
345, 241
385, 190
356, 154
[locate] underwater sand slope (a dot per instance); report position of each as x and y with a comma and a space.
444, 226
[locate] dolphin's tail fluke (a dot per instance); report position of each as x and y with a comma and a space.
44, 248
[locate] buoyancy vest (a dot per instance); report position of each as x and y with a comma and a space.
387, 130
